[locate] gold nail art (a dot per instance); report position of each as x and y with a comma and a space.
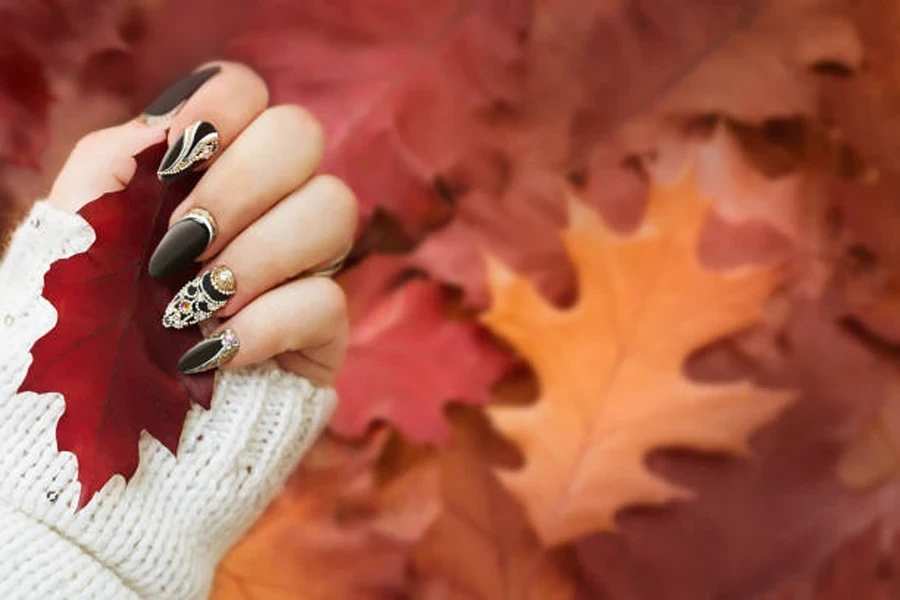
211, 353
200, 298
204, 218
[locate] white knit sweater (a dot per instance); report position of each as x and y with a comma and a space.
162, 534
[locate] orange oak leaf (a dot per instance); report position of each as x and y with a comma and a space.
338, 530
482, 547
611, 366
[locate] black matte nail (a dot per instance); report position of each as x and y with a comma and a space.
166, 105
195, 145
184, 242
211, 353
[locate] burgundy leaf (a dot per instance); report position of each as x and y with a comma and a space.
109, 355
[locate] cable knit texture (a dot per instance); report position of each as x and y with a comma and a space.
161, 535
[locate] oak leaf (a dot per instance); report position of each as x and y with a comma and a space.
611, 366
338, 530
109, 356
482, 547
408, 355
777, 516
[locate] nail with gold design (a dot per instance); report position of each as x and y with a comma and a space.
211, 353
200, 298
194, 146
183, 243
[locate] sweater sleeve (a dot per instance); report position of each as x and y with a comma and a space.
161, 535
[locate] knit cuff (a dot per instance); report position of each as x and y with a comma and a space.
39, 563
47, 234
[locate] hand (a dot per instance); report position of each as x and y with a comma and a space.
161, 535
260, 220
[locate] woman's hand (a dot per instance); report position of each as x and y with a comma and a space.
261, 221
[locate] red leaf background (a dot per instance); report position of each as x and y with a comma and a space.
465, 127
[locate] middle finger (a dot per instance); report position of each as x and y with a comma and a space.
272, 157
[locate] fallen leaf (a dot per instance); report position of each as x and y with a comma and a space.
24, 104
864, 113
482, 547
408, 357
490, 106
43, 43
783, 46
369, 73
611, 366
109, 355
338, 530
774, 517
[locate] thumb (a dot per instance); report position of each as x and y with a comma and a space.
102, 162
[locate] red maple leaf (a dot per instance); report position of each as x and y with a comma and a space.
109, 355
407, 359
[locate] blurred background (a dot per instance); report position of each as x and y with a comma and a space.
625, 294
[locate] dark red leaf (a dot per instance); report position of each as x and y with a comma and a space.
40, 43
109, 355
408, 357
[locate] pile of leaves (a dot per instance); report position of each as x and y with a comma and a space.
625, 297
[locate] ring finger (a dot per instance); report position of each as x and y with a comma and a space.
302, 323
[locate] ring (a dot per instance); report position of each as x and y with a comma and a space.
334, 266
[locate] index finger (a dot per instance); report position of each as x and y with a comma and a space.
205, 112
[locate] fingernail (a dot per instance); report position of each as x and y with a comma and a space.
200, 298
165, 106
196, 144
211, 353
185, 241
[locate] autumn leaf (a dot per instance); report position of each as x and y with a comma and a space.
408, 356
490, 106
24, 104
376, 73
661, 62
777, 516
40, 40
339, 530
109, 355
611, 367
482, 547
863, 111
